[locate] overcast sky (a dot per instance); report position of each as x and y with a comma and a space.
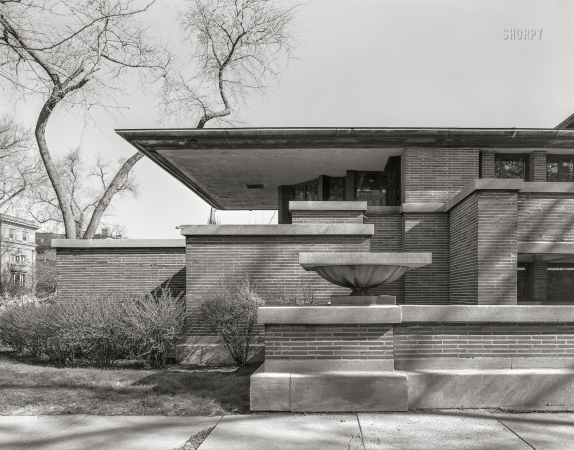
385, 63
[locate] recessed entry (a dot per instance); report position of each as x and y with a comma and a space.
254, 186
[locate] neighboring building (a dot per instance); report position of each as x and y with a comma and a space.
17, 251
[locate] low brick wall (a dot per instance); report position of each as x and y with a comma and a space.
328, 342
545, 217
484, 340
132, 270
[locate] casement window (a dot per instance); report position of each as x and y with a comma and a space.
306, 192
560, 168
24, 236
12, 233
371, 187
511, 165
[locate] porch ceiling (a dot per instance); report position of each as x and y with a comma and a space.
217, 163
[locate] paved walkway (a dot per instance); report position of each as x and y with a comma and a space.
444, 430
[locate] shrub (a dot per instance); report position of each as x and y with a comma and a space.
231, 313
301, 294
153, 322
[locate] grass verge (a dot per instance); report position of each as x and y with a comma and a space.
34, 387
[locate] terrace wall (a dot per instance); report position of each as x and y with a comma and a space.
545, 217
131, 270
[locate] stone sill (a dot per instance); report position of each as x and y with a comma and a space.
412, 260
340, 229
118, 243
327, 206
382, 314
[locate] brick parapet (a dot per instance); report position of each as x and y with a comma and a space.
537, 281
435, 175
272, 262
427, 232
483, 340
537, 166
329, 342
487, 165
119, 270
545, 217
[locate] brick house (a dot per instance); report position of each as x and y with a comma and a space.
17, 251
495, 207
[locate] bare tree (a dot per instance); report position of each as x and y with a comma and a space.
241, 47
20, 169
75, 53
85, 184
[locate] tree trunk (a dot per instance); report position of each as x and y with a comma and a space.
40, 133
109, 194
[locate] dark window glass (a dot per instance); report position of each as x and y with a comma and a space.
552, 163
370, 187
560, 168
335, 189
299, 192
511, 165
561, 285
311, 190
567, 168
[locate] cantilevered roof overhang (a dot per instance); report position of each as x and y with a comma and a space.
218, 163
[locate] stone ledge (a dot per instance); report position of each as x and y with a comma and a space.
422, 207
329, 315
118, 243
484, 184
383, 210
328, 365
487, 313
327, 206
338, 229
412, 260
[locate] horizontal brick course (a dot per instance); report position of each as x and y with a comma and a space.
334, 342
463, 340
545, 217
123, 270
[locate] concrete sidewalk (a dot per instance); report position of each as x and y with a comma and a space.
444, 430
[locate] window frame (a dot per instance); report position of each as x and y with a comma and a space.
522, 157
559, 157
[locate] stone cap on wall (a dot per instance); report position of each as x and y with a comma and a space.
341, 229
327, 206
412, 260
414, 314
117, 243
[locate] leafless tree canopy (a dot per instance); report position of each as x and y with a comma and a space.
74, 52
241, 47
85, 183
20, 168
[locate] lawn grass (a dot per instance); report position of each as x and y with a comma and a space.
34, 387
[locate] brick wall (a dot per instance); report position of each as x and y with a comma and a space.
326, 217
388, 237
537, 281
487, 164
537, 166
435, 175
332, 342
545, 217
270, 261
484, 249
481, 340
427, 232
464, 252
120, 270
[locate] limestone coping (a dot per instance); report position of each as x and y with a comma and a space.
493, 184
537, 248
414, 313
380, 210
412, 260
327, 206
486, 313
117, 243
341, 229
328, 314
